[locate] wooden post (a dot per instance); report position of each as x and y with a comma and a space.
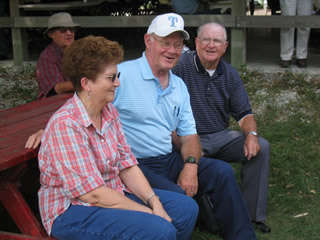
238, 36
19, 35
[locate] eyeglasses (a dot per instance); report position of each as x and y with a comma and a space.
207, 41
166, 44
65, 29
114, 76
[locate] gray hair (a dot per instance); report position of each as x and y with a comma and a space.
214, 25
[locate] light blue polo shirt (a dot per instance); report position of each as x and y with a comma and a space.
149, 114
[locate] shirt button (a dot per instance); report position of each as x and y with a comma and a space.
102, 140
108, 161
208, 88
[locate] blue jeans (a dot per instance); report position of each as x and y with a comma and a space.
216, 179
87, 223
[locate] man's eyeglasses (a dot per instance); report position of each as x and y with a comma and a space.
65, 29
207, 41
114, 76
166, 44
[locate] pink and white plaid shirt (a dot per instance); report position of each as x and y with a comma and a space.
75, 158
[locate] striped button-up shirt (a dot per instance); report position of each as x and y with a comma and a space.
76, 158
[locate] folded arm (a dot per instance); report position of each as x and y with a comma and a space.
138, 184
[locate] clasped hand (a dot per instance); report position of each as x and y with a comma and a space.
188, 179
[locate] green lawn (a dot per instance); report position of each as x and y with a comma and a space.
287, 109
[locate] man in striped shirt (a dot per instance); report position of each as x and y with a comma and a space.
216, 92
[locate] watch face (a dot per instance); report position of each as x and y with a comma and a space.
191, 160
253, 133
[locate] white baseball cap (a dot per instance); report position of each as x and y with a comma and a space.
165, 24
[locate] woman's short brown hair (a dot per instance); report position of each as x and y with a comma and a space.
87, 57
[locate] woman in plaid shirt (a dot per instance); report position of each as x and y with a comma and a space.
91, 186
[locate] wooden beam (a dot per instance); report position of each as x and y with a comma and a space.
5, 22
278, 21
19, 36
197, 20
238, 36
122, 21
190, 21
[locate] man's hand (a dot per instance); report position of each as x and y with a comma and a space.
251, 146
188, 179
34, 140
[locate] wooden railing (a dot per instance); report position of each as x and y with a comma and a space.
237, 21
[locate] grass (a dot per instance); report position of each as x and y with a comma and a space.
288, 116
21, 88
286, 107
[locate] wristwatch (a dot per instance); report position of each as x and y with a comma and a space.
191, 160
253, 133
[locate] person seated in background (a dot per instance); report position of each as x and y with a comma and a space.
193, 7
185, 6
51, 80
216, 93
91, 186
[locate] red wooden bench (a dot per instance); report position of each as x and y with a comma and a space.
16, 125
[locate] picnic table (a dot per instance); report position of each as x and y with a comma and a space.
16, 125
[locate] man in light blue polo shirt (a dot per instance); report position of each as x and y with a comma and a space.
152, 103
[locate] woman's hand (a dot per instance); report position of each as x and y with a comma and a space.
158, 209
34, 140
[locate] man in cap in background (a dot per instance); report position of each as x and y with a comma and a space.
152, 103
51, 80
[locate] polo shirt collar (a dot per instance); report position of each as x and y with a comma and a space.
200, 68
147, 73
